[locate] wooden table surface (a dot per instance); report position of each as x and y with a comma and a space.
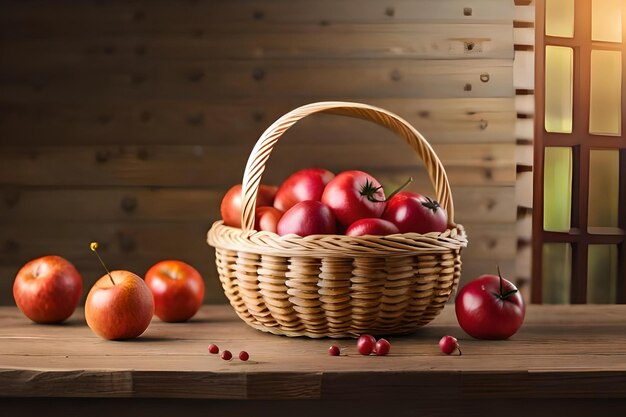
564, 356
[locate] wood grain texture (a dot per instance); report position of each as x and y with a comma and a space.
144, 205
152, 122
127, 120
312, 79
210, 166
561, 352
269, 41
68, 19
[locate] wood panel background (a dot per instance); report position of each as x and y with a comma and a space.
126, 121
524, 82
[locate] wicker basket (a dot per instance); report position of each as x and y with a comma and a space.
336, 285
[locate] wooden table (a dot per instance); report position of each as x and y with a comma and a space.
566, 359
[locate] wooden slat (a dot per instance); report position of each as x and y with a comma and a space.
524, 155
524, 36
138, 205
524, 70
206, 166
524, 13
154, 122
524, 129
524, 189
245, 41
70, 18
525, 104
265, 79
524, 227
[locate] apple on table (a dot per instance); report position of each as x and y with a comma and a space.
48, 289
178, 290
119, 305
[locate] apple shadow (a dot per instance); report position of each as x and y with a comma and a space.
196, 321
146, 339
67, 323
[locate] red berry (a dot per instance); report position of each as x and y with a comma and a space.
226, 355
244, 356
333, 351
382, 347
366, 344
213, 348
449, 344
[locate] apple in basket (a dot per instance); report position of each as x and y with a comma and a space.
353, 200
307, 218
47, 289
119, 305
232, 200
413, 212
304, 185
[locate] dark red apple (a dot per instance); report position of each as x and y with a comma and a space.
119, 306
377, 227
48, 289
307, 218
178, 290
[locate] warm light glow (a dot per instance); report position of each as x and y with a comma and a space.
606, 20
558, 82
602, 274
605, 110
603, 188
557, 189
556, 273
560, 18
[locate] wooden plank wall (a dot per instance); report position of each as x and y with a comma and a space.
126, 121
524, 81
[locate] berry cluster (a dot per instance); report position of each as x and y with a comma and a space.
226, 355
366, 345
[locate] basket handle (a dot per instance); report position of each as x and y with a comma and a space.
263, 148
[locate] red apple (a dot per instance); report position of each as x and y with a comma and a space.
178, 290
230, 208
48, 289
267, 218
119, 306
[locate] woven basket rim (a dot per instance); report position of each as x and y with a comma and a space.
401, 244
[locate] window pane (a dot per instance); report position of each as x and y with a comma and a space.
602, 274
603, 188
606, 20
605, 111
556, 273
559, 70
557, 189
560, 18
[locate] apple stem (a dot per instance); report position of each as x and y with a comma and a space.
504, 295
459, 349
94, 246
37, 270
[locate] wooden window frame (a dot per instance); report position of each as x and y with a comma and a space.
581, 142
